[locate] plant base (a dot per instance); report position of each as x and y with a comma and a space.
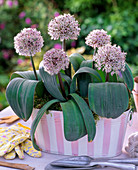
108, 141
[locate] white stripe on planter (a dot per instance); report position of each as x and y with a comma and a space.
67, 144
52, 133
82, 146
114, 137
39, 135
98, 140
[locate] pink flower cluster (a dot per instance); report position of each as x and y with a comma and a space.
64, 27
110, 58
28, 42
97, 38
11, 3
54, 60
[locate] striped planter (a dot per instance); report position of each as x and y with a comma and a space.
108, 141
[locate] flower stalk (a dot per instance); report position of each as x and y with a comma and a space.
107, 77
33, 67
68, 70
61, 85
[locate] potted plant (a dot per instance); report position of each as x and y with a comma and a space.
99, 91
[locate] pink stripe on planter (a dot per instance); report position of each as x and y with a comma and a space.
121, 134
74, 146
90, 150
59, 134
45, 133
107, 135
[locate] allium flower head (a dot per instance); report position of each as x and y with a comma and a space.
54, 60
64, 27
110, 58
98, 38
28, 42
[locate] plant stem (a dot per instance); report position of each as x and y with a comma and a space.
68, 70
61, 85
33, 67
107, 77
93, 61
64, 45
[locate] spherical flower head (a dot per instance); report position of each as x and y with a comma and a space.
28, 42
110, 58
64, 27
54, 60
97, 38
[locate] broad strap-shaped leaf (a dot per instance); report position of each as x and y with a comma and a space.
76, 60
26, 75
37, 119
128, 77
87, 116
66, 78
108, 99
74, 127
20, 96
50, 83
80, 71
84, 79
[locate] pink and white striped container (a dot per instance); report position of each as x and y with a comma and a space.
108, 141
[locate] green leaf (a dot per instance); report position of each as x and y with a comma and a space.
102, 74
66, 78
112, 78
26, 75
84, 79
80, 71
76, 60
108, 99
74, 127
20, 96
87, 116
128, 77
50, 83
37, 119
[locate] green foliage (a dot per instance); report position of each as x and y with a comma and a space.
118, 17
108, 99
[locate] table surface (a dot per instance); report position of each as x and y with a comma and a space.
40, 163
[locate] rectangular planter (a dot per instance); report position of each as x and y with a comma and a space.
108, 141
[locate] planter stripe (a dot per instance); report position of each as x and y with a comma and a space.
45, 131
121, 134
107, 136
74, 147
59, 133
104, 144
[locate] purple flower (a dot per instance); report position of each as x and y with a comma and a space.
64, 27
97, 38
2, 26
7, 54
1, 2
28, 42
73, 44
9, 3
54, 60
34, 26
15, 2
56, 14
28, 21
58, 46
22, 14
110, 58
19, 61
